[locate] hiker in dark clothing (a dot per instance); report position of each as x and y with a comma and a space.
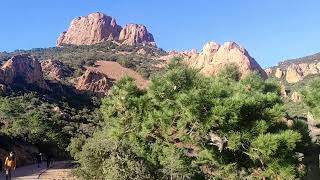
48, 159
39, 159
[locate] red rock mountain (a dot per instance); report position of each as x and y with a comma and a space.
133, 34
22, 68
98, 27
215, 57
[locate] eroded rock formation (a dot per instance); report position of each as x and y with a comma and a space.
98, 27
22, 69
94, 82
91, 29
214, 57
55, 69
133, 34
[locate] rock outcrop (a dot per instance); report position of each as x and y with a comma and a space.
55, 69
94, 82
296, 97
91, 29
295, 72
22, 69
98, 27
215, 57
133, 34
279, 73
283, 91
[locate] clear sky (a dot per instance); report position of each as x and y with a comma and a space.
271, 30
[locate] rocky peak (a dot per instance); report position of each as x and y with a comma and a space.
22, 68
55, 69
98, 27
133, 34
210, 47
215, 57
91, 29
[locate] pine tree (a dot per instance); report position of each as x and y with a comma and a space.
188, 126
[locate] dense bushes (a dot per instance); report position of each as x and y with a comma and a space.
33, 118
186, 126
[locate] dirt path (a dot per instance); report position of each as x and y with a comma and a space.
59, 171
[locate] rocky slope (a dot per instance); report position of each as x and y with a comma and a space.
94, 82
98, 27
215, 57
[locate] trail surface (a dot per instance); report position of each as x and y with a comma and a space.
60, 170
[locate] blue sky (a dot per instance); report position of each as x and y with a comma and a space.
271, 30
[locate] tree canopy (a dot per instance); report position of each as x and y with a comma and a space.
188, 126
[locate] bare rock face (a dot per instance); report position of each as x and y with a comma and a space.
279, 73
98, 27
55, 69
94, 82
215, 57
133, 34
91, 29
294, 73
22, 68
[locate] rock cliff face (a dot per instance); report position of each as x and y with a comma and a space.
98, 27
22, 68
296, 70
55, 69
215, 57
133, 34
94, 82
91, 29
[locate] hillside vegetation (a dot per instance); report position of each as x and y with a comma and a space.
143, 59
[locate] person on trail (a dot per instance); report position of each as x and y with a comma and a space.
48, 159
39, 159
10, 165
